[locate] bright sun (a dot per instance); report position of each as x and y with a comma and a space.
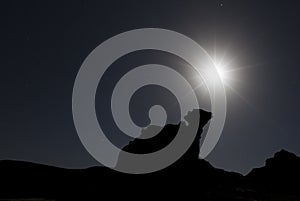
226, 72
223, 71
229, 73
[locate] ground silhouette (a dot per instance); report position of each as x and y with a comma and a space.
189, 177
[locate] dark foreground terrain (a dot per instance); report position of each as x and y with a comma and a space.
188, 178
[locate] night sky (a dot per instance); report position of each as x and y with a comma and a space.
44, 44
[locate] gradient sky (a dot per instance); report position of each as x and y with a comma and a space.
43, 45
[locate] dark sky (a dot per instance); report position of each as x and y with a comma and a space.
44, 44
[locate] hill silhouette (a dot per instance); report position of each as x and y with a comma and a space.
189, 177
280, 174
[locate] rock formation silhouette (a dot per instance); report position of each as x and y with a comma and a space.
167, 134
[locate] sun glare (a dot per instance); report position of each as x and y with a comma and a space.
224, 71
227, 70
